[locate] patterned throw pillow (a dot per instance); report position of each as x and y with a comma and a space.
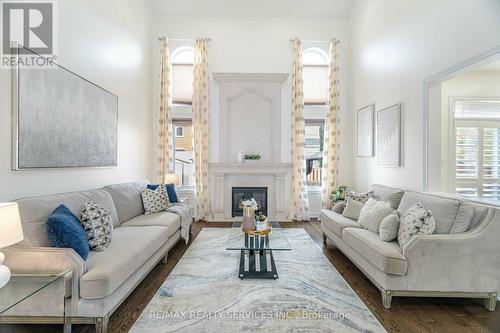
97, 223
155, 200
360, 197
416, 220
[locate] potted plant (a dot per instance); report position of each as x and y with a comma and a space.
339, 194
252, 157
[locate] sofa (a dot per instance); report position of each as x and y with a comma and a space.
460, 259
102, 282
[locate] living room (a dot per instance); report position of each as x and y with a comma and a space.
281, 166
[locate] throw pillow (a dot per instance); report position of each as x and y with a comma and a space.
154, 200
361, 197
96, 222
388, 229
339, 207
352, 208
372, 214
171, 193
416, 220
65, 231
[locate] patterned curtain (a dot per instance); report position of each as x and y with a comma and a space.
299, 206
200, 128
165, 163
332, 130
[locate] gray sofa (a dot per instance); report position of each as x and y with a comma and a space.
101, 283
461, 259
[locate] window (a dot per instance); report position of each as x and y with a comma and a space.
315, 75
179, 132
182, 75
183, 152
314, 132
477, 148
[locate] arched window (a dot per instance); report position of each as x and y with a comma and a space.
182, 75
179, 131
315, 62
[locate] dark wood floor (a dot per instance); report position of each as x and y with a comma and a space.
406, 315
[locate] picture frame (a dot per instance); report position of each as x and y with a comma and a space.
365, 131
389, 136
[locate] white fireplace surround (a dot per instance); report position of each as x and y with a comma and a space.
250, 115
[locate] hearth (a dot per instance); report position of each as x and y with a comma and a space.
259, 193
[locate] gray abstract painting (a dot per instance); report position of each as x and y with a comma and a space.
63, 120
389, 136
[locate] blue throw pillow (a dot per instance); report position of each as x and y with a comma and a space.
172, 195
65, 231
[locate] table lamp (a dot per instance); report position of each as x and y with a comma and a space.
11, 232
171, 178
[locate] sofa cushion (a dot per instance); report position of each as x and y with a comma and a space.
480, 213
388, 194
127, 199
336, 222
388, 228
372, 214
35, 211
463, 219
444, 210
128, 251
385, 256
352, 208
170, 220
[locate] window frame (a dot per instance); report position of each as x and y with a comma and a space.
323, 54
474, 122
181, 122
312, 120
181, 127
177, 50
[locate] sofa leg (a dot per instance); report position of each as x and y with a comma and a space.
101, 324
491, 302
386, 298
164, 259
324, 238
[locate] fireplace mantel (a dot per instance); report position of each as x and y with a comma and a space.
250, 168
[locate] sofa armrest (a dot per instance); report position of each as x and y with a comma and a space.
466, 262
32, 260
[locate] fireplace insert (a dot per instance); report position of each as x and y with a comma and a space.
259, 193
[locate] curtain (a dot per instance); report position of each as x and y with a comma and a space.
165, 163
299, 206
332, 131
200, 128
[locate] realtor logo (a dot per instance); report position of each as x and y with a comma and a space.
27, 25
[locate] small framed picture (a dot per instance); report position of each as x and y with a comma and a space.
365, 129
389, 136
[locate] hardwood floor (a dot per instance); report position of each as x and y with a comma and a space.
406, 315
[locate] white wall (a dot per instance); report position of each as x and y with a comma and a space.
109, 43
395, 46
260, 45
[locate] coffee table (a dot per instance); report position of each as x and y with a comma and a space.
256, 251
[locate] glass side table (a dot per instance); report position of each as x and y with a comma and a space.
256, 251
23, 286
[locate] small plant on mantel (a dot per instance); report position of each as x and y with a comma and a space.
252, 157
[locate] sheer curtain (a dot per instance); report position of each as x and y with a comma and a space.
164, 149
332, 129
299, 206
200, 128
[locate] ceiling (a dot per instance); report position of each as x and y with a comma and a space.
253, 8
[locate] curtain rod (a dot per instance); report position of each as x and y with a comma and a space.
181, 39
319, 41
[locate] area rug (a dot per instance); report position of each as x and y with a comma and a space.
204, 294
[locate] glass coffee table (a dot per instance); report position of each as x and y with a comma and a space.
256, 250
22, 287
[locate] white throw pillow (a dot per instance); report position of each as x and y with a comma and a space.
155, 201
352, 208
372, 214
388, 229
416, 220
339, 207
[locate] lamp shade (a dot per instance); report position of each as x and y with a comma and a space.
11, 230
171, 178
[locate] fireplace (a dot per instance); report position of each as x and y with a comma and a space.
259, 193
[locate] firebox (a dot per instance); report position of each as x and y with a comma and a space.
259, 193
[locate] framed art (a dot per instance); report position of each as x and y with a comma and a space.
62, 120
365, 131
389, 136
